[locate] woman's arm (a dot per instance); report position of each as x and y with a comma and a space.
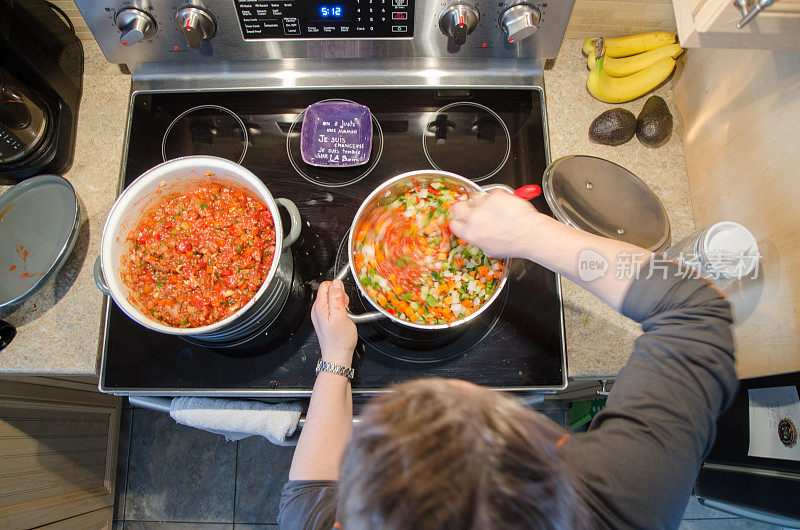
503, 225
641, 455
329, 421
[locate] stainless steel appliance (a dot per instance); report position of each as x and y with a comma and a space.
41, 76
451, 86
24, 119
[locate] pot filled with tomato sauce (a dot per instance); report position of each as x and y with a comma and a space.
195, 246
408, 264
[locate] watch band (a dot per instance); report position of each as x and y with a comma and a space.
325, 366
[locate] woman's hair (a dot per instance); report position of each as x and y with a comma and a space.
436, 454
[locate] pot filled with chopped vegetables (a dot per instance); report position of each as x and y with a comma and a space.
409, 265
195, 247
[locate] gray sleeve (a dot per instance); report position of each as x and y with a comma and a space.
640, 457
308, 505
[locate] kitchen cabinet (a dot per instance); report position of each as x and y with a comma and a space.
58, 452
740, 109
712, 24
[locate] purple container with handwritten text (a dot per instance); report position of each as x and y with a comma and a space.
336, 134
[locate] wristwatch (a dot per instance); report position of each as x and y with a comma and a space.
325, 366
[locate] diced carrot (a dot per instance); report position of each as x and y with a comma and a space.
459, 262
450, 284
412, 316
483, 270
382, 299
446, 311
447, 301
479, 285
467, 303
397, 289
360, 259
379, 255
462, 242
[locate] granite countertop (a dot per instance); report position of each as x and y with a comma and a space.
600, 340
59, 329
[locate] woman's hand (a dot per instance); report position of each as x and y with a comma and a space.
336, 332
497, 222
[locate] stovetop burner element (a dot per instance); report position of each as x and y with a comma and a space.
332, 177
206, 130
468, 139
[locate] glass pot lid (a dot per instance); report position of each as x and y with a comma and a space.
606, 199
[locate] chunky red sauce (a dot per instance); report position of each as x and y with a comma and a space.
197, 258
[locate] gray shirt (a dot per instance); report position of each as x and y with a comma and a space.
640, 457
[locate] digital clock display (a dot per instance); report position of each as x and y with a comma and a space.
331, 11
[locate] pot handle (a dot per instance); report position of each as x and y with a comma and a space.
528, 192
99, 280
491, 187
363, 317
294, 215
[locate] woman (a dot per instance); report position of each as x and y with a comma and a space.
449, 454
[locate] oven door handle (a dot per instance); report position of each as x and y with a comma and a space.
163, 404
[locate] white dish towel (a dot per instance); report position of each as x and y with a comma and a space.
237, 419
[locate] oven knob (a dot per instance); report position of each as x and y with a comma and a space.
135, 25
196, 24
458, 21
520, 22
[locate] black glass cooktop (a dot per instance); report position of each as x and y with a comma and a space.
491, 136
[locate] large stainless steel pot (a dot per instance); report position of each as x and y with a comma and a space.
387, 193
179, 176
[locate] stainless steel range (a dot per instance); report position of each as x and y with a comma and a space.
456, 87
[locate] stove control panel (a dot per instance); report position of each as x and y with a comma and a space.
326, 19
137, 32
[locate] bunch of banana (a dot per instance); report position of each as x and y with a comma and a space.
625, 68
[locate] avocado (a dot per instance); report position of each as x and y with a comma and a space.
613, 127
654, 124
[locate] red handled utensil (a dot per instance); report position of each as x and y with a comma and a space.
528, 192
